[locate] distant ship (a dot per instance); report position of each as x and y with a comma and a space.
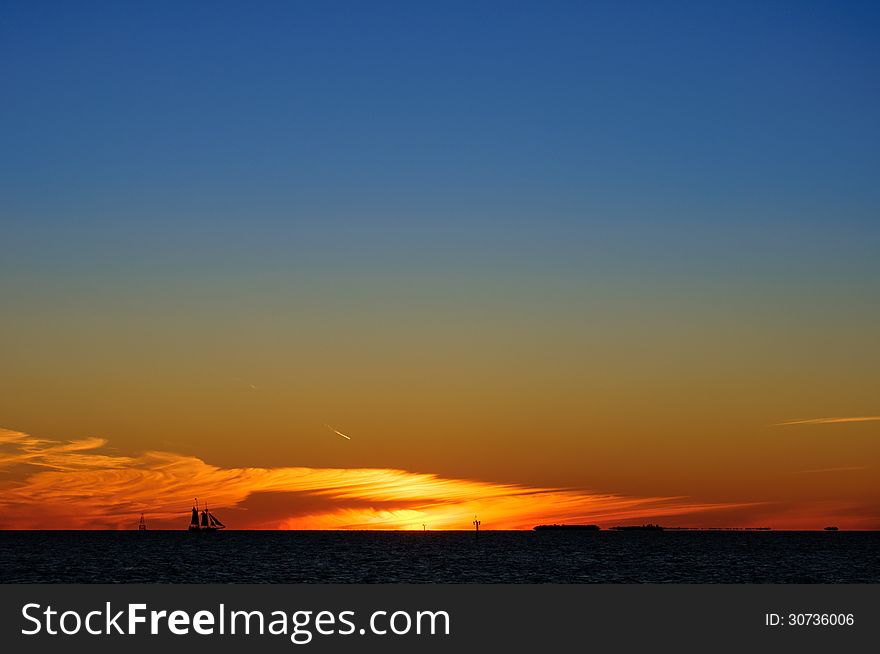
647, 527
204, 520
830, 528
567, 528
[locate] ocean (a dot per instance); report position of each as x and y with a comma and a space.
438, 557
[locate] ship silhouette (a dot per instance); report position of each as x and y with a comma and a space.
647, 527
204, 520
555, 527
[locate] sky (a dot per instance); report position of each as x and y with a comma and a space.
542, 261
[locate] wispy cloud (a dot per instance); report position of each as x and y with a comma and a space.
841, 469
48, 484
828, 421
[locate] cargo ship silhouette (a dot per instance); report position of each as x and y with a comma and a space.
554, 527
647, 527
204, 520
566, 528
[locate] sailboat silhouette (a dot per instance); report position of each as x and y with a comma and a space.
204, 520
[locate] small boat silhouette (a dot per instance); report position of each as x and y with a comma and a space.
204, 520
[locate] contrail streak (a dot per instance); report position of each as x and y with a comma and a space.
827, 421
336, 431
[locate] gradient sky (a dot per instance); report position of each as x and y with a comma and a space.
556, 260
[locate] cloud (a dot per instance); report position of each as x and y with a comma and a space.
841, 469
828, 421
77, 485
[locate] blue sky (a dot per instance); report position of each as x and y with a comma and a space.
443, 120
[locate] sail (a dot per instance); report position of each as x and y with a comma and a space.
202, 520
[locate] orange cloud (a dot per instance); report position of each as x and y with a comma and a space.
49, 484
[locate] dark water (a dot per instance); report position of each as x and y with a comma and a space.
439, 557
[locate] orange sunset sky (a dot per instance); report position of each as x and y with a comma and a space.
554, 262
